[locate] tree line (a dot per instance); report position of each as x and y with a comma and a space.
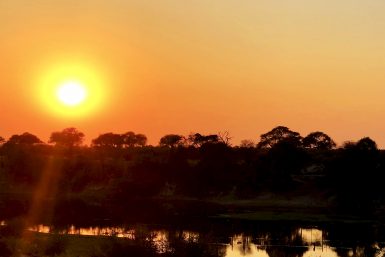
118, 167
71, 137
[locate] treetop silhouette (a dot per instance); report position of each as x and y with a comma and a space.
128, 139
25, 138
171, 140
318, 140
277, 135
67, 137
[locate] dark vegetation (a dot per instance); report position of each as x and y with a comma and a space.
200, 181
121, 169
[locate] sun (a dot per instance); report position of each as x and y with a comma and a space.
71, 93
71, 90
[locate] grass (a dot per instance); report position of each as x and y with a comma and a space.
269, 207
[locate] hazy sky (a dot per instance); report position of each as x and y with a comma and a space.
203, 66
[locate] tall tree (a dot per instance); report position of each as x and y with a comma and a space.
68, 137
357, 175
277, 135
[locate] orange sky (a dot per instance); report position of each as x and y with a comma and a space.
203, 66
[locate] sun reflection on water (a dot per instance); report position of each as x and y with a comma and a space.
313, 243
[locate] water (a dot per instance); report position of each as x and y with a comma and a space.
235, 240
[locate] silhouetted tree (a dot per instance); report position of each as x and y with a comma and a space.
318, 140
25, 139
211, 139
67, 137
355, 176
198, 140
277, 135
367, 144
131, 139
109, 140
194, 139
141, 140
285, 159
224, 137
171, 140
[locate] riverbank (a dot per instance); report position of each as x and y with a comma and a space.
161, 209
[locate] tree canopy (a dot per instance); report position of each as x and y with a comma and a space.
277, 135
25, 139
198, 140
67, 137
318, 140
129, 139
171, 140
367, 144
108, 140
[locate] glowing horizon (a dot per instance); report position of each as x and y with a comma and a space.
175, 67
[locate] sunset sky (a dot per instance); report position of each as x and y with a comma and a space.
171, 66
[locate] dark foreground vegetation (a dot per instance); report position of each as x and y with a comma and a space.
201, 175
198, 180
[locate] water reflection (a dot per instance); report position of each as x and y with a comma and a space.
326, 252
257, 241
306, 242
90, 231
311, 236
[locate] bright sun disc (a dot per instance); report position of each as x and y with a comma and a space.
71, 90
71, 93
